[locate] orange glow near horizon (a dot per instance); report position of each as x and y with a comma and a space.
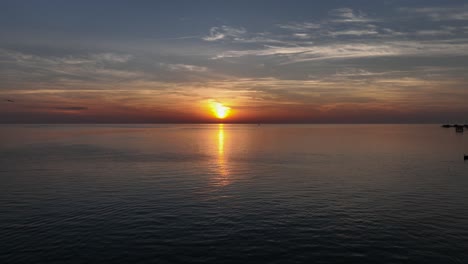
219, 110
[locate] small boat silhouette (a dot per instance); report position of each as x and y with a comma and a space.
465, 157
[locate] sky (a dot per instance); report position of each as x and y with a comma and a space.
268, 61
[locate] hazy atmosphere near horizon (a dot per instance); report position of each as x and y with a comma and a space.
268, 61
258, 131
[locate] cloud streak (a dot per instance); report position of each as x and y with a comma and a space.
224, 32
71, 108
357, 50
439, 13
186, 67
348, 15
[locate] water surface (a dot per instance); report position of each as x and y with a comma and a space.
233, 194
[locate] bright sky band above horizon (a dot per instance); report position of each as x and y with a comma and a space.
237, 61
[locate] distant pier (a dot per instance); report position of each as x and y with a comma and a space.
458, 128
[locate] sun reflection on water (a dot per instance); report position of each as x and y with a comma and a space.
223, 178
221, 141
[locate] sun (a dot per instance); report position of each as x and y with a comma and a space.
219, 110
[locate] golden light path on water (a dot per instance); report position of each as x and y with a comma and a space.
223, 178
220, 140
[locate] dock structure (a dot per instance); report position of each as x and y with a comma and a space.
458, 128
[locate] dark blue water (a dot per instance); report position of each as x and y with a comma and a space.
233, 194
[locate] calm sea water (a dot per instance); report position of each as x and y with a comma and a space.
233, 194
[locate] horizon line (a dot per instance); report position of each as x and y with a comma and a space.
229, 123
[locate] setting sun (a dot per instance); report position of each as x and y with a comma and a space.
219, 110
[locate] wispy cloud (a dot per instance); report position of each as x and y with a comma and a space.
104, 66
223, 32
356, 72
340, 22
348, 15
301, 35
433, 32
110, 57
71, 108
439, 13
304, 26
186, 67
356, 50
318, 52
94, 58
354, 32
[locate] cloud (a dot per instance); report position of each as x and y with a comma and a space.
223, 32
121, 74
356, 72
186, 67
83, 60
260, 39
71, 108
301, 35
111, 57
214, 35
288, 97
439, 13
241, 36
341, 22
89, 66
317, 52
305, 26
355, 50
437, 32
348, 15
354, 32
388, 32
